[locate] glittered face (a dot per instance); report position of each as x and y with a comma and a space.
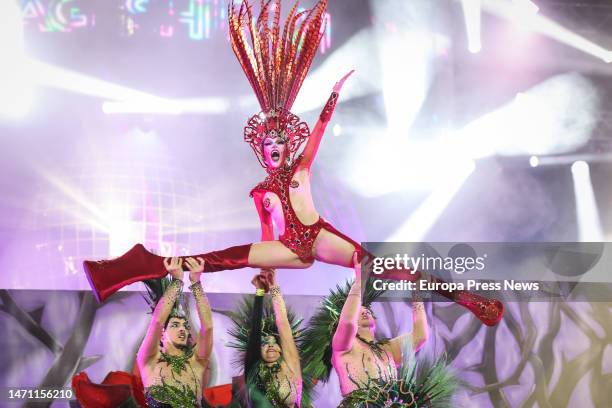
176, 332
270, 349
275, 150
366, 318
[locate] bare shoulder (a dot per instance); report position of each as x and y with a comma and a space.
201, 363
146, 369
344, 353
302, 171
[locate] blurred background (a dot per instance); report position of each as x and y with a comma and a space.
476, 120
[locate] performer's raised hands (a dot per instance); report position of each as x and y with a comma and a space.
260, 282
174, 266
196, 267
269, 274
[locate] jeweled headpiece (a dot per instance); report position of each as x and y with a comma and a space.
275, 65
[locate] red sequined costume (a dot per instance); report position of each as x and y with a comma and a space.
297, 236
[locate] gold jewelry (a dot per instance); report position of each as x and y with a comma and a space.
275, 291
260, 292
418, 307
196, 287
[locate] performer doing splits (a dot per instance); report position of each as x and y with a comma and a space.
276, 66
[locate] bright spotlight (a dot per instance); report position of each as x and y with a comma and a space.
337, 129
534, 161
524, 14
526, 7
589, 225
416, 227
530, 124
143, 106
471, 14
15, 76
168, 106
580, 169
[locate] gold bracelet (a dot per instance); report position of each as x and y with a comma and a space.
195, 284
418, 306
196, 289
275, 291
260, 292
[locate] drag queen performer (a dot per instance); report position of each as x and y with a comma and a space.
267, 337
276, 66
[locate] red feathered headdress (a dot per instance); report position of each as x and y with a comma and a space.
275, 65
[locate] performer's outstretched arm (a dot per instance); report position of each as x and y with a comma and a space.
310, 151
290, 351
150, 345
419, 335
253, 351
348, 322
267, 228
420, 328
204, 343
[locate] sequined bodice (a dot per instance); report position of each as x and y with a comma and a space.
187, 381
297, 236
362, 364
289, 389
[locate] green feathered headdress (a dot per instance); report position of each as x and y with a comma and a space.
318, 336
241, 329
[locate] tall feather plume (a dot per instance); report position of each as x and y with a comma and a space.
275, 63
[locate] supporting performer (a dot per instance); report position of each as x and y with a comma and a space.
265, 334
276, 66
373, 372
171, 366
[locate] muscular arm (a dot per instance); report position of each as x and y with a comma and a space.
418, 337
420, 329
289, 348
267, 229
347, 325
205, 336
150, 345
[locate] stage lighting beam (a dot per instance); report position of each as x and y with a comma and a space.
587, 214
527, 17
472, 16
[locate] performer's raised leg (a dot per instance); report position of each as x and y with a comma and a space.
331, 246
108, 276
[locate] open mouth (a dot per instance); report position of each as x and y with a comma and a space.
275, 155
182, 336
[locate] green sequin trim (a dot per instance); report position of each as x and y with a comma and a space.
177, 397
178, 363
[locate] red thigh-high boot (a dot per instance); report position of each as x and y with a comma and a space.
108, 276
488, 311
